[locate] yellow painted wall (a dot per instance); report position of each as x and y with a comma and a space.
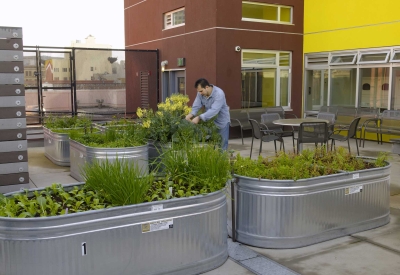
332, 25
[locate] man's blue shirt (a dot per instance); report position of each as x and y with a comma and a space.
215, 104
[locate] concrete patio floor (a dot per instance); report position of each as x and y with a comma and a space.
375, 251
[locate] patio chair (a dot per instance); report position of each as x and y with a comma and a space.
263, 135
280, 111
312, 132
240, 118
351, 132
331, 118
267, 120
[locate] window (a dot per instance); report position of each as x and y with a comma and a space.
91, 69
266, 78
65, 70
343, 87
114, 70
56, 70
174, 18
395, 56
374, 94
371, 58
343, 59
65, 78
259, 12
56, 78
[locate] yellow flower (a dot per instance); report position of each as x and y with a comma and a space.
139, 112
146, 124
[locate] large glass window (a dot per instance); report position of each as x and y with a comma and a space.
265, 78
260, 12
395, 100
343, 87
374, 83
317, 89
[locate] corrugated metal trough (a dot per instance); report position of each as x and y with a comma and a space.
56, 147
80, 154
290, 214
179, 236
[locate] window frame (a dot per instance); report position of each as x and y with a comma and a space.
277, 67
278, 21
392, 60
167, 27
330, 63
372, 53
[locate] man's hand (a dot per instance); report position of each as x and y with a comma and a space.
189, 117
196, 120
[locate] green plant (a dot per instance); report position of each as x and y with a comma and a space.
132, 135
308, 164
119, 181
59, 122
53, 200
201, 166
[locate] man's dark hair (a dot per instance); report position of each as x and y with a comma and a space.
202, 82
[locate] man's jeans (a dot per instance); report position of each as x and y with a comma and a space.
224, 132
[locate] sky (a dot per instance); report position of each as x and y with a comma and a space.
57, 23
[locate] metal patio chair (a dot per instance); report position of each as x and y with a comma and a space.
263, 135
351, 132
312, 132
267, 120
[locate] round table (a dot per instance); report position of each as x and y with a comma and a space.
297, 121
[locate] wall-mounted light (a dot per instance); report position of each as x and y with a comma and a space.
163, 64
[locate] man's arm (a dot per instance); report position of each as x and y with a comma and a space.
215, 108
196, 105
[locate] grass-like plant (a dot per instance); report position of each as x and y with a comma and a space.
133, 135
203, 166
121, 182
60, 122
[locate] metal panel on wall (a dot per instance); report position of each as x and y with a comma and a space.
13, 143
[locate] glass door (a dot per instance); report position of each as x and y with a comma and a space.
317, 89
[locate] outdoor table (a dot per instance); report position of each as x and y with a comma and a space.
297, 122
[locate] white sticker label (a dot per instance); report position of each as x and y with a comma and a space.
157, 225
356, 176
157, 207
353, 189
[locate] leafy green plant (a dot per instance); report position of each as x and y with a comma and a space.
308, 164
53, 200
120, 181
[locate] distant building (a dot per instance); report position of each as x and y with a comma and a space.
88, 62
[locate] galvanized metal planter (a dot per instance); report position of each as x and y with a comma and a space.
80, 154
56, 147
179, 236
290, 214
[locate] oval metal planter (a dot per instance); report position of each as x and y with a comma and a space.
291, 214
179, 236
56, 147
80, 154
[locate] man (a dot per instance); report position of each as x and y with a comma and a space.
213, 99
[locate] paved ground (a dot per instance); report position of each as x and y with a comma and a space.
375, 251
